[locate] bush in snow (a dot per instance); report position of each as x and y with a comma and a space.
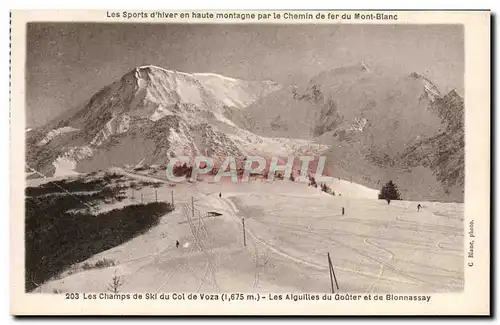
325, 188
115, 283
312, 182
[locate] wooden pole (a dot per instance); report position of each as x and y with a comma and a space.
172, 198
244, 235
142, 198
156, 195
335, 278
333, 271
330, 271
192, 205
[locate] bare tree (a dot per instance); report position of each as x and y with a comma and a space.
115, 283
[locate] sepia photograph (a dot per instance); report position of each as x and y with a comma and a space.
274, 161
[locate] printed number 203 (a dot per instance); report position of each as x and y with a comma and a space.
72, 295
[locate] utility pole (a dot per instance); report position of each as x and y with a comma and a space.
330, 271
172, 198
244, 235
156, 195
192, 205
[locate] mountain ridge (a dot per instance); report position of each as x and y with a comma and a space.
366, 120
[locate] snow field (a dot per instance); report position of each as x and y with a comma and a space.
290, 228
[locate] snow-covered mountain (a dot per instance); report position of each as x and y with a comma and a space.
365, 119
152, 113
369, 117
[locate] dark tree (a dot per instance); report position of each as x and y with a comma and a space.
189, 171
157, 185
389, 192
325, 188
183, 170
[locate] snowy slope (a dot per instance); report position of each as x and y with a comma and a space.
234, 92
157, 109
352, 190
55, 133
290, 227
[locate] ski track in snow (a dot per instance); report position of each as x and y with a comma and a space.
382, 266
209, 265
305, 262
208, 251
362, 253
195, 231
203, 243
367, 240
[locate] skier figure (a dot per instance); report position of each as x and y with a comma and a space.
343, 210
177, 244
220, 195
419, 207
388, 201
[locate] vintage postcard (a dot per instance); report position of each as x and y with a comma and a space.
250, 162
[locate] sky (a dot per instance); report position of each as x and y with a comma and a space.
67, 63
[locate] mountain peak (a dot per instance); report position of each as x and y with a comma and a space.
153, 67
150, 70
454, 94
333, 75
430, 88
201, 76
